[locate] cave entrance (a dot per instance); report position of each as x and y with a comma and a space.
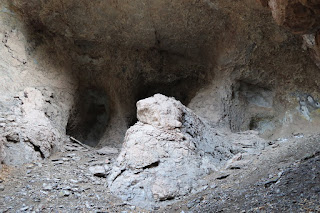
89, 117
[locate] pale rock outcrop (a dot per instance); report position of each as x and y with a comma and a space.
166, 153
160, 112
29, 133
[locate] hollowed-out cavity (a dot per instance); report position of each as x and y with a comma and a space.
89, 117
252, 107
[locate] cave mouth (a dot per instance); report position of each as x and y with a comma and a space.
89, 116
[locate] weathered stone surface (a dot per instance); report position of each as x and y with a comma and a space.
151, 111
312, 44
99, 171
32, 135
301, 17
34, 96
107, 150
161, 160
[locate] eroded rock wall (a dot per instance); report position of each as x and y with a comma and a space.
301, 17
232, 51
36, 93
226, 60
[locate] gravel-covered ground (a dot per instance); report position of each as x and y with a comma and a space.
285, 177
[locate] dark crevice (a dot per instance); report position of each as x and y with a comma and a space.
120, 173
222, 177
311, 156
153, 165
37, 149
235, 167
167, 198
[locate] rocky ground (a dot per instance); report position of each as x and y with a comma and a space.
285, 177
62, 183
281, 179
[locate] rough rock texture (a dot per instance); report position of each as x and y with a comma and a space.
63, 182
301, 17
166, 153
30, 134
36, 94
312, 45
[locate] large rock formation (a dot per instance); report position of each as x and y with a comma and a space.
30, 134
165, 154
36, 94
226, 60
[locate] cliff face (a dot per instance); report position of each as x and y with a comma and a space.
36, 93
91, 62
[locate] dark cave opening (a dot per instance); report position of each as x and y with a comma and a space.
89, 117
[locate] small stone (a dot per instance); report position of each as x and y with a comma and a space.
43, 192
58, 162
24, 208
76, 158
106, 167
30, 166
193, 203
56, 180
11, 118
271, 181
39, 164
64, 193
1, 187
71, 155
298, 135
94, 163
66, 188
107, 151
132, 208
98, 171
74, 181
47, 187
36, 199
213, 186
